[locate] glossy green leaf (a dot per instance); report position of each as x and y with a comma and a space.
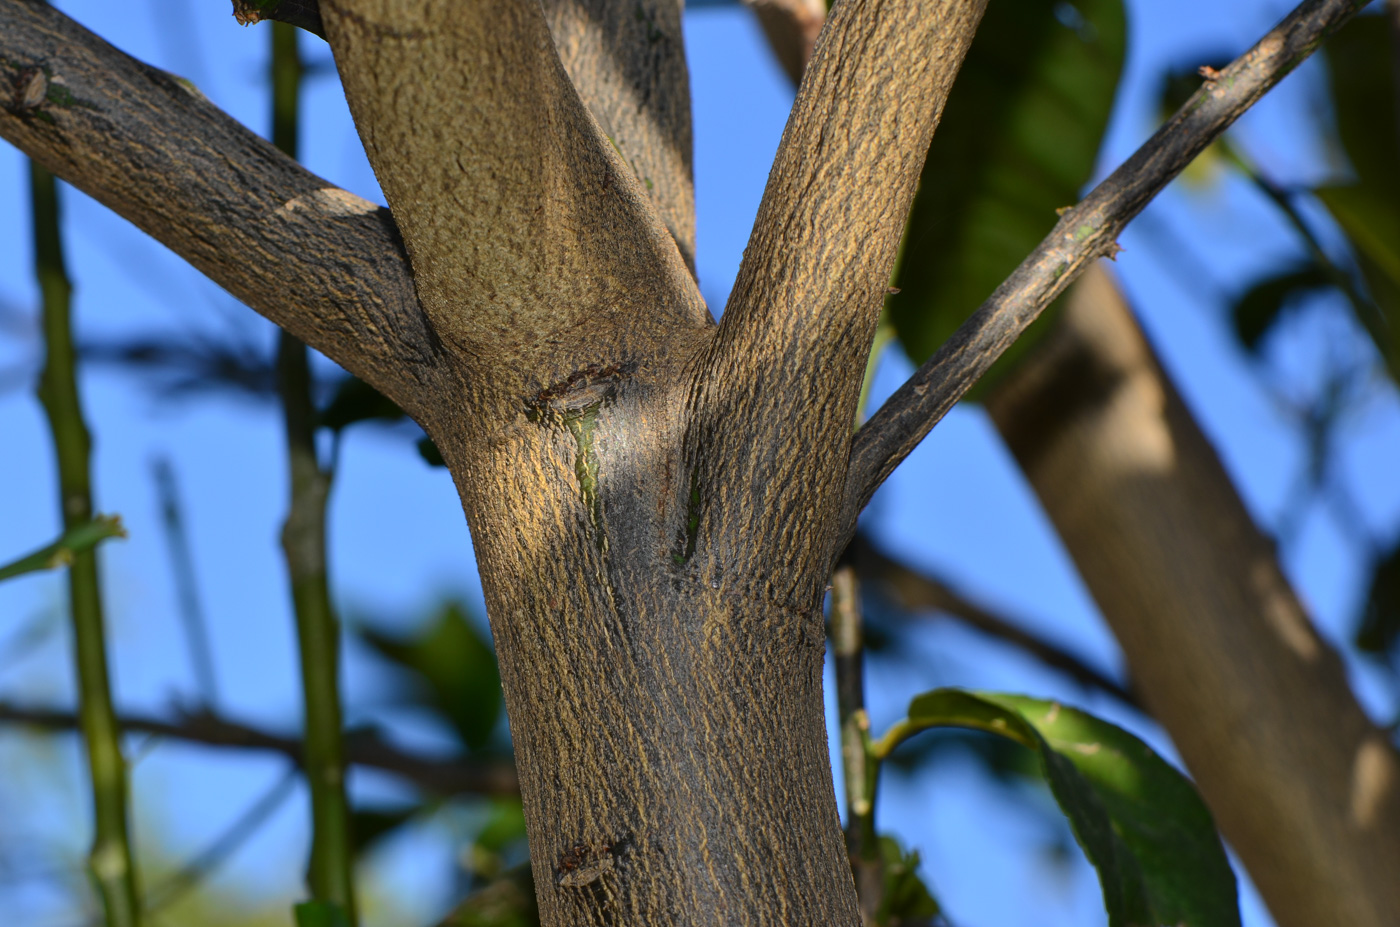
1138, 820
320, 914
1263, 304
1380, 620
1018, 140
455, 668
61, 552
1360, 59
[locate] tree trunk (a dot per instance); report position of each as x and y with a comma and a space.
1304, 787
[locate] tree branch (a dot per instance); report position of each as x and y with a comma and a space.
322, 263
627, 60
533, 245
486, 776
1087, 231
304, 14
778, 389
792, 27
917, 591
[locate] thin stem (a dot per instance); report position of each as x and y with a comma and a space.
1085, 232
861, 770
110, 859
486, 776
75, 540
331, 871
177, 541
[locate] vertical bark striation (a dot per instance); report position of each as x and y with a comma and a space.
1304, 787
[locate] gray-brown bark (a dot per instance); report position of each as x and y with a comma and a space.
1303, 786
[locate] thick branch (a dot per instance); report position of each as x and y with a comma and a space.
1087, 231
627, 60
779, 387
322, 263
915, 590
529, 236
792, 27
442, 777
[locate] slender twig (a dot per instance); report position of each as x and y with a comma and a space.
177, 542
76, 540
446, 777
331, 871
224, 845
1085, 232
861, 771
110, 860
916, 590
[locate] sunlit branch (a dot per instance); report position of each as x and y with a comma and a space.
1085, 232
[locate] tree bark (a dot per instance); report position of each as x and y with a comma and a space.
1304, 787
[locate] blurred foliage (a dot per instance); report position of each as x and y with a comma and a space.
1138, 820
1018, 140
451, 669
1379, 632
906, 901
320, 914
506, 901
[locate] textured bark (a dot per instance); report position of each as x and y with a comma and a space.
628, 62
655, 501
651, 497
1301, 783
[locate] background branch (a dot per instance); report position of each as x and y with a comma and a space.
473, 776
1087, 231
915, 590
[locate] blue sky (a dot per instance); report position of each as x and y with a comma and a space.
398, 542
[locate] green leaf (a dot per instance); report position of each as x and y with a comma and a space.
320, 914
1256, 311
1380, 621
1139, 821
1018, 140
455, 668
61, 552
906, 899
1360, 59
357, 401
